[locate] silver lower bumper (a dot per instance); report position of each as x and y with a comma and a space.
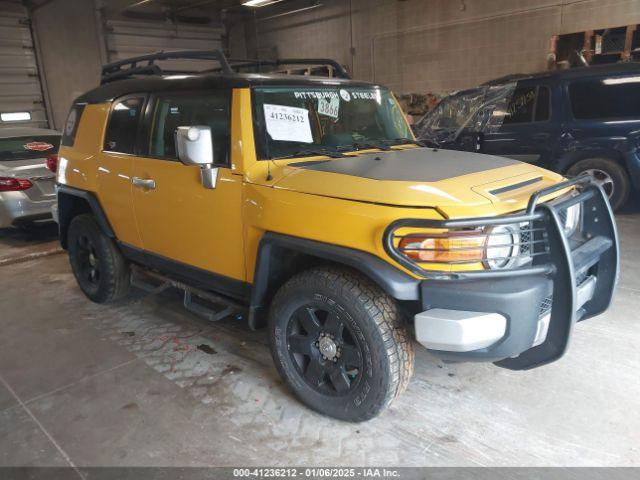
457, 330
465, 331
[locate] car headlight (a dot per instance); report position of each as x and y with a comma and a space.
502, 247
571, 219
495, 248
450, 247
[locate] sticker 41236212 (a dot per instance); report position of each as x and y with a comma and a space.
288, 124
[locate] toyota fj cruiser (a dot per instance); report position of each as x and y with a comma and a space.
308, 200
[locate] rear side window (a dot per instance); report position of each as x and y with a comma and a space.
24, 148
171, 112
123, 125
605, 98
71, 125
528, 104
520, 108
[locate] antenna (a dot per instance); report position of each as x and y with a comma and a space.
269, 176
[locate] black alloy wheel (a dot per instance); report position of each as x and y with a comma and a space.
340, 343
324, 350
88, 261
101, 271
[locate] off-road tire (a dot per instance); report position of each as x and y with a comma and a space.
621, 182
375, 319
114, 277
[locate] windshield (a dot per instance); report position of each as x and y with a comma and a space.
24, 148
454, 111
483, 109
297, 121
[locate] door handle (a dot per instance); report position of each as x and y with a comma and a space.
147, 184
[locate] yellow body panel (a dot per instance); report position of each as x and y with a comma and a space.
219, 230
183, 221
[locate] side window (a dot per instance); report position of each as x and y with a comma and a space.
520, 108
123, 125
543, 104
171, 112
71, 126
615, 97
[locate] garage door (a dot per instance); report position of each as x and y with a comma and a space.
131, 38
21, 101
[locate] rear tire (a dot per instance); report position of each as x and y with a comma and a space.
609, 174
100, 269
339, 343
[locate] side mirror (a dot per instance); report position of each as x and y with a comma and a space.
194, 147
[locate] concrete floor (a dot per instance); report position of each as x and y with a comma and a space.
146, 383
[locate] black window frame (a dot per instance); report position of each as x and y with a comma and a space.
136, 143
535, 105
549, 104
149, 112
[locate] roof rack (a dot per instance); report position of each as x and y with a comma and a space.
257, 65
145, 64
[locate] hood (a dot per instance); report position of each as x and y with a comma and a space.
418, 177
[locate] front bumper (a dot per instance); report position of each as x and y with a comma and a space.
17, 208
523, 318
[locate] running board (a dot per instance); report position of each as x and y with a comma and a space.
200, 302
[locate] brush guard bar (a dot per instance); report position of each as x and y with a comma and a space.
591, 253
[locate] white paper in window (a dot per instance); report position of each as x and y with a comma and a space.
288, 123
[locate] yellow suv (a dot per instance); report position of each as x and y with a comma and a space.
307, 201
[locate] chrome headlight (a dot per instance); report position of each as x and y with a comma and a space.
502, 247
571, 219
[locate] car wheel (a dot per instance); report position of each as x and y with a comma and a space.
100, 269
339, 343
609, 174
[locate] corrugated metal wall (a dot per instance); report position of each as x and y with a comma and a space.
20, 89
132, 38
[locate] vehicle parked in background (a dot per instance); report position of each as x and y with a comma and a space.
575, 121
306, 203
27, 183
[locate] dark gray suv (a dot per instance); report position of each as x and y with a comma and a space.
581, 120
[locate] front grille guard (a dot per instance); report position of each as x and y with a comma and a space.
592, 251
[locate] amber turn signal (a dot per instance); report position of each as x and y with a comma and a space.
461, 247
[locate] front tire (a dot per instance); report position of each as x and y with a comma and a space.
100, 269
609, 174
339, 343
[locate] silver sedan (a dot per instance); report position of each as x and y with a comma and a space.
28, 158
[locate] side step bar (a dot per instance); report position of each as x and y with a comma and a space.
211, 306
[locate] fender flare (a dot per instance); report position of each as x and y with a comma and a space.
270, 268
66, 211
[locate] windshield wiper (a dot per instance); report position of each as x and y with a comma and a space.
368, 145
362, 146
404, 141
308, 152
